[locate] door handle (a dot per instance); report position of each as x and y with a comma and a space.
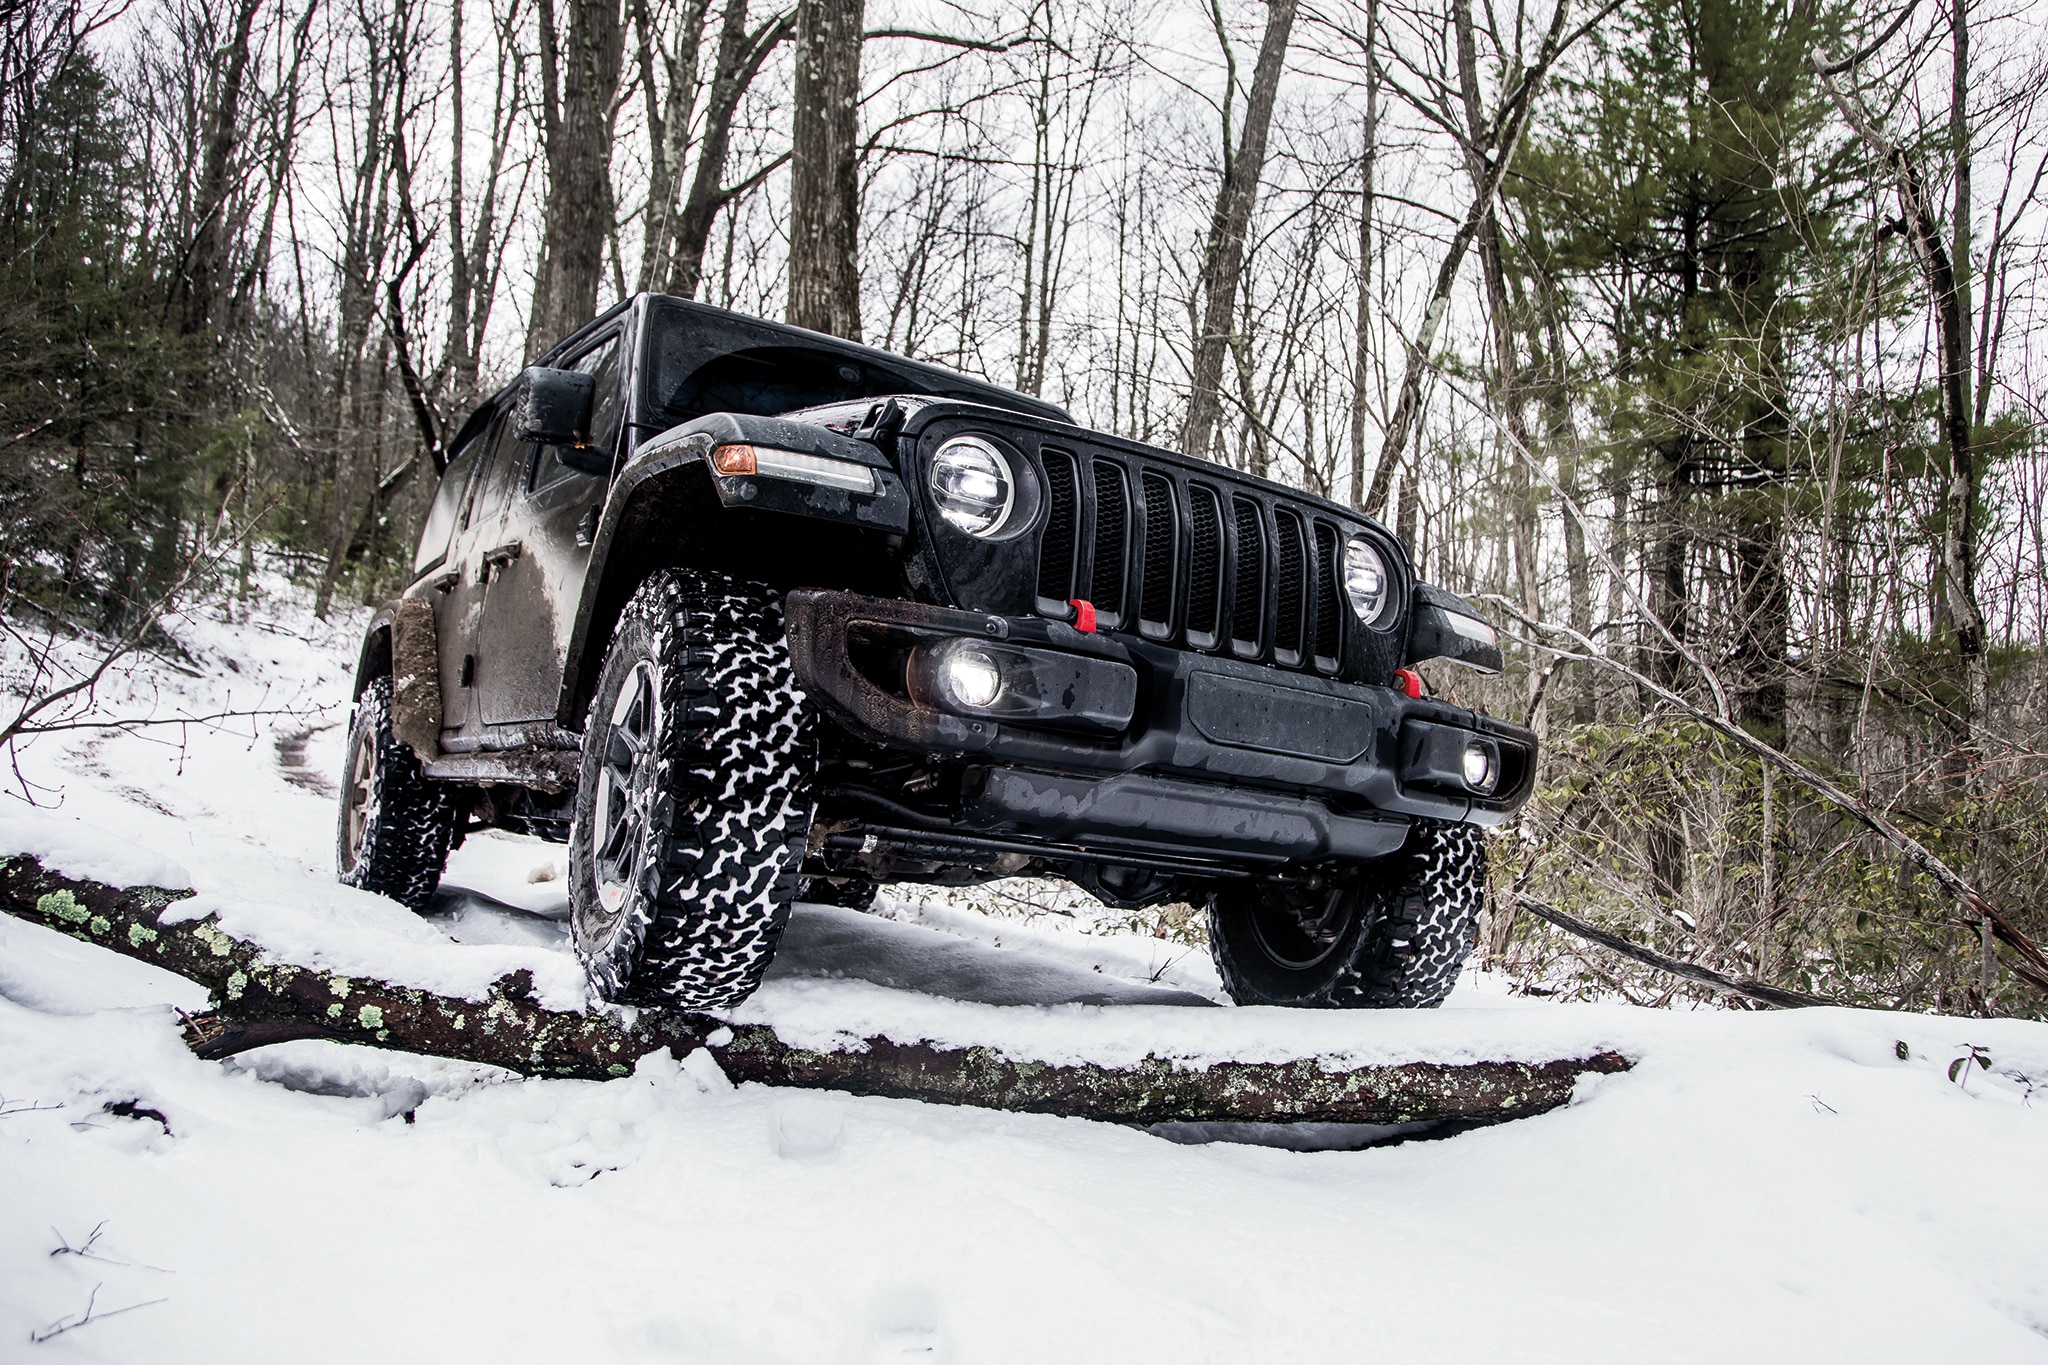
447, 581
503, 555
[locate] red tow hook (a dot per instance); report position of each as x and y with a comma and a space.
1084, 614
1409, 681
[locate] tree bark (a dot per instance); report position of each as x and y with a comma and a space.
824, 184
579, 84
258, 1001
1223, 260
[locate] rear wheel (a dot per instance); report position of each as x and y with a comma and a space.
694, 798
1395, 936
395, 821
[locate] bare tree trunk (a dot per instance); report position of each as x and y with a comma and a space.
1223, 256
1505, 136
1948, 296
824, 185
258, 1001
670, 108
576, 126
740, 57
475, 246
1361, 360
206, 268
1508, 385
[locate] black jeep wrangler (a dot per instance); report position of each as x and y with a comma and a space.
750, 615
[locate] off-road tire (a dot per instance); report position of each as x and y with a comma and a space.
406, 819
694, 903
1393, 936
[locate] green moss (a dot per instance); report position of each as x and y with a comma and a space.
339, 985
139, 934
618, 1069
62, 905
100, 924
334, 1011
237, 983
369, 1016
220, 944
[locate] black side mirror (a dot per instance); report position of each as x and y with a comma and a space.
553, 408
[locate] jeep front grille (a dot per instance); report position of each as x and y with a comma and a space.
1328, 641
1112, 529
1155, 598
1287, 597
1057, 542
1192, 562
1205, 566
1248, 610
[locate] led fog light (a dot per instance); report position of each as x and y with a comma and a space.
1479, 768
971, 677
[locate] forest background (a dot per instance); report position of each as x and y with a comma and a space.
1696, 338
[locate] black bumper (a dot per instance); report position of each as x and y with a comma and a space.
1217, 758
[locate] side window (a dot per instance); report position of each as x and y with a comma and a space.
503, 472
601, 362
448, 502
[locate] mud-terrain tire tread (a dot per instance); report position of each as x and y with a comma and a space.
732, 801
1417, 913
411, 819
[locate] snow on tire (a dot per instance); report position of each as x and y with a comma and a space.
1395, 936
694, 798
395, 822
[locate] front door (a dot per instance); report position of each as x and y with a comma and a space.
544, 553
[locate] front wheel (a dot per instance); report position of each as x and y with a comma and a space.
1394, 936
694, 799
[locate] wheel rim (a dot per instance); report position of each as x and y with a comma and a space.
362, 775
625, 781
1302, 934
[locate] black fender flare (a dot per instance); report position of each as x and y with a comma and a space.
677, 463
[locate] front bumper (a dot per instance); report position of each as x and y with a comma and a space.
1217, 756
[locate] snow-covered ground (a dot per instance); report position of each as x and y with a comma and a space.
1799, 1186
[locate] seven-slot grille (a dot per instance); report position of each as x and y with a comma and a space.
1189, 561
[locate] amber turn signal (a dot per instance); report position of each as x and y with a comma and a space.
733, 459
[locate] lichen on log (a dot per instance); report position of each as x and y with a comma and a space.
258, 1000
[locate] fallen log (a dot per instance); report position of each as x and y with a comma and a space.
257, 1001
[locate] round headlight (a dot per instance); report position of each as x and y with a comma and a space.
1366, 581
972, 485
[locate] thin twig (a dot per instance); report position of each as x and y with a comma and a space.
63, 1325
1650, 957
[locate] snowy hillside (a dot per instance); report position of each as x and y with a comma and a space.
1797, 1186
